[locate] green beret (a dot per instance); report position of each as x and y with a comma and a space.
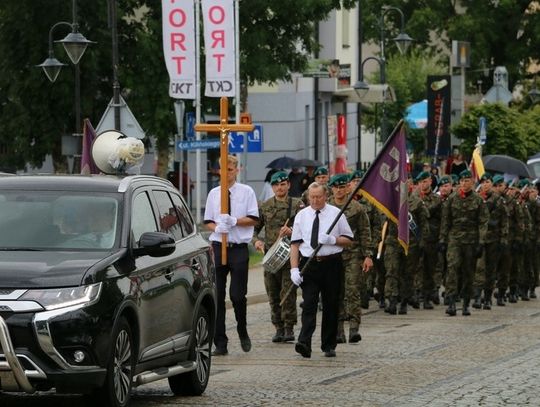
524, 183
278, 177
358, 174
445, 179
422, 176
465, 174
320, 171
339, 179
486, 176
455, 179
498, 179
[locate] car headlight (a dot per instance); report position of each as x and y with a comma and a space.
54, 298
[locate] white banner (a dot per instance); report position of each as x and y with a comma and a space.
179, 47
218, 18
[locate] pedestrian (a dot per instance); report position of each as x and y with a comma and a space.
276, 216
324, 273
357, 259
320, 176
297, 180
238, 225
464, 224
458, 165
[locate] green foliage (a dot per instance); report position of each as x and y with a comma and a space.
509, 131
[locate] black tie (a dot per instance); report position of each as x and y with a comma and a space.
315, 231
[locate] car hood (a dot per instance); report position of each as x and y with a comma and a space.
27, 269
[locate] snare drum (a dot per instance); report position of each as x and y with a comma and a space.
276, 257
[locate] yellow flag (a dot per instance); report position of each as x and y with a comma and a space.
477, 166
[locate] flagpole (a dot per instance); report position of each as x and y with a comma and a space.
342, 210
198, 110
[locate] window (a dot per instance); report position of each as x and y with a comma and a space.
142, 216
185, 217
168, 218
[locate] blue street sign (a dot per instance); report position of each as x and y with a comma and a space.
482, 130
190, 126
254, 141
197, 144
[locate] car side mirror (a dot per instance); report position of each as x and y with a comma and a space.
155, 244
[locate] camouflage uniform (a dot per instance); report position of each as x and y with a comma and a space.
401, 269
433, 204
535, 212
272, 216
463, 228
352, 256
525, 276
496, 246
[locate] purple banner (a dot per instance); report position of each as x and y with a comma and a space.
385, 183
87, 162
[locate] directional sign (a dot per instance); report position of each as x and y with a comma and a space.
254, 140
482, 130
197, 144
190, 123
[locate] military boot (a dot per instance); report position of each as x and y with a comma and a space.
413, 302
364, 301
524, 293
512, 296
435, 297
354, 335
392, 306
532, 294
477, 295
427, 301
451, 310
465, 310
340, 337
278, 336
487, 299
500, 298
288, 335
382, 302
403, 307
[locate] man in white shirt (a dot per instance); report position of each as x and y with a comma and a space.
238, 225
324, 273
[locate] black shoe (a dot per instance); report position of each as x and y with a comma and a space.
487, 305
302, 349
500, 301
220, 352
382, 304
279, 335
428, 304
245, 343
330, 353
288, 335
465, 311
532, 294
354, 335
403, 308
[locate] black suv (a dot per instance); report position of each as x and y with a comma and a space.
105, 284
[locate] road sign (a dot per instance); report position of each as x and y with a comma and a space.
190, 123
128, 123
482, 130
197, 144
254, 141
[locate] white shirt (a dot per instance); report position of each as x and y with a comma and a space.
243, 203
304, 221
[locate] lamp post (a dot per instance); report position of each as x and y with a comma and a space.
75, 45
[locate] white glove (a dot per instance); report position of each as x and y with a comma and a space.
327, 239
227, 219
222, 228
296, 278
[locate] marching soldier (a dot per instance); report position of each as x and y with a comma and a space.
535, 213
276, 216
496, 242
433, 204
516, 227
359, 251
463, 232
525, 276
445, 189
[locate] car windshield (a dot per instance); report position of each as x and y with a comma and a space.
58, 220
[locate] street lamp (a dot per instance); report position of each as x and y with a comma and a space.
75, 45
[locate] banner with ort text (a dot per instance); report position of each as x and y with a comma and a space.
218, 20
179, 47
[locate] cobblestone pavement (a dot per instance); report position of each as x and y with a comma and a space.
421, 359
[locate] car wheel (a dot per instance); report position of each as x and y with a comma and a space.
116, 390
194, 383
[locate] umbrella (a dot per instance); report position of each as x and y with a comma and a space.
306, 162
281, 163
416, 115
506, 164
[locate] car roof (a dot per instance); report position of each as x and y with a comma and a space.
102, 183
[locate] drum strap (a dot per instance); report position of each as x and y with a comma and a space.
289, 209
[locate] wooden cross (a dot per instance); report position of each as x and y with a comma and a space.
223, 128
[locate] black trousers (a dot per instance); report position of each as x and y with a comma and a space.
324, 278
237, 265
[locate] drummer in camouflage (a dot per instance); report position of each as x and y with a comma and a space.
276, 216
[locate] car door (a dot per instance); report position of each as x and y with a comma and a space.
153, 281
183, 262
